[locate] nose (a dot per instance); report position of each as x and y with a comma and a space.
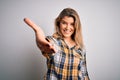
67, 26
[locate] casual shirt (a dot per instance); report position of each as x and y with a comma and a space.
67, 63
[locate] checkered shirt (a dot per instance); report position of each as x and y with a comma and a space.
67, 63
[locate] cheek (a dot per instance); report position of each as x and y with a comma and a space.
73, 29
62, 27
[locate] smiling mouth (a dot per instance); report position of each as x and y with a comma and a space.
67, 31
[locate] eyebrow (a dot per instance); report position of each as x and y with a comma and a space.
66, 21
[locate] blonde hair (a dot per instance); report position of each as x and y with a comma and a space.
77, 36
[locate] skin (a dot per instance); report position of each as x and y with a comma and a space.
42, 43
67, 29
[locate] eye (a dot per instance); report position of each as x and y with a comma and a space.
72, 24
63, 22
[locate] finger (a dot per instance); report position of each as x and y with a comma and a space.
31, 24
47, 39
46, 46
49, 48
53, 47
52, 51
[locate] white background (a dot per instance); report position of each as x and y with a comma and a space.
20, 59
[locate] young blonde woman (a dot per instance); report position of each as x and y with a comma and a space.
64, 50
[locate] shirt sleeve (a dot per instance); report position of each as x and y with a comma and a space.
53, 42
84, 66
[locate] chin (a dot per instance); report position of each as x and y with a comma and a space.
67, 36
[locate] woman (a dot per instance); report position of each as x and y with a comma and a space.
64, 50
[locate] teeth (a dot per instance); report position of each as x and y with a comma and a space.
67, 31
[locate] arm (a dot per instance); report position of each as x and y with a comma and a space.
38, 31
42, 43
84, 66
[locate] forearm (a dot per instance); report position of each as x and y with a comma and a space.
42, 43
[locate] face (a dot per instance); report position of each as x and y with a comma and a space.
67, 26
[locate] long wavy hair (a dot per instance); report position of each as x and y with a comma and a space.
77, 35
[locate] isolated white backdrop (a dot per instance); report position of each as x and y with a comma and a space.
20, 59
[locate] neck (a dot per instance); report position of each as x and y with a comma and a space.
70, 42
68, 39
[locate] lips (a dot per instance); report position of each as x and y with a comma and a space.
67, 31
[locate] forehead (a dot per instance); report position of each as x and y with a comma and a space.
68, 19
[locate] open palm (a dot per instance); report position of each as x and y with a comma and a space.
42, 43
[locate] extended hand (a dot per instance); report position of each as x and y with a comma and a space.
42, 43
